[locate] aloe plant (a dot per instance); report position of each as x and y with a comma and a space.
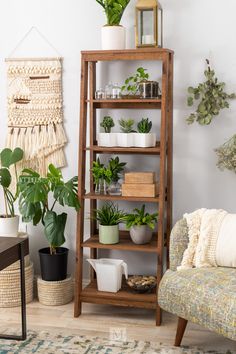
126, 125
114, 10
144, 126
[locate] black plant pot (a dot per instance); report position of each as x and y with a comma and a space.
53, 267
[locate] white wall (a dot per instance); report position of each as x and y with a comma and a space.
195, 30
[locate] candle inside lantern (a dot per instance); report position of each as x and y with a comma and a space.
147, 39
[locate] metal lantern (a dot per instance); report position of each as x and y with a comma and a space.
149, 24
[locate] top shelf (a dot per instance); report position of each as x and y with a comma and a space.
127, 54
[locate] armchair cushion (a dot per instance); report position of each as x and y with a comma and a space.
206, 296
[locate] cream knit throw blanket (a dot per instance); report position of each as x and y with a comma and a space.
35, 111
212, 239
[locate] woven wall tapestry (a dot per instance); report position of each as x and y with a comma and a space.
35, 111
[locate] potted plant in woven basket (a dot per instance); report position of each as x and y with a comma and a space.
113, 34
35, 194
9, 221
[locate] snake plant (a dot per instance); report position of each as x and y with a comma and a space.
114, 10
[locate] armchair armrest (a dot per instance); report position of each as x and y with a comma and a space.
178, 243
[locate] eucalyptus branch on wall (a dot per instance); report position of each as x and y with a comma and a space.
210, 97
227, 155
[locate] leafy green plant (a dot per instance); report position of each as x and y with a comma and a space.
34, 193
114, 10
144, 126
211, 97
9, 158
107, 124
99, 172
126, 125
227, 155
141, 218
109, 215
131, 85
116, 167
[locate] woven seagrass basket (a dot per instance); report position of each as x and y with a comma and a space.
55, 293
10, 289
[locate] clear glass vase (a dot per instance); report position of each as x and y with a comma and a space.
114, 188
101, 187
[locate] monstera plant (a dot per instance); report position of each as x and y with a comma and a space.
38, 197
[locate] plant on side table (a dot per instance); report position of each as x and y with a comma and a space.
141, 224
113, 34
109, 216
108, 138
9, 222
35, 194
144, 138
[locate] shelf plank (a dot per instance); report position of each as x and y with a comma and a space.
124, 297
126, 103
119, 197
125, 244
125, 150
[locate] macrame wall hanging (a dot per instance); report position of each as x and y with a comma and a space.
35, 111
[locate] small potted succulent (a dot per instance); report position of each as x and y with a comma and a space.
38, 197
141, 225
126, 137
9, 221
109, 217
116, 167
144, 138
113, 34
107, 138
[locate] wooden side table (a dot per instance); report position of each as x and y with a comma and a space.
11, 250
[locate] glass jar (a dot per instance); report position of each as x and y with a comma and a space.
114, 188
116, 91
108, 90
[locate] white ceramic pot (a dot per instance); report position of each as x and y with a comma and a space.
145, 140
9, 226
125, 139
107, 139
140, 234
113, 37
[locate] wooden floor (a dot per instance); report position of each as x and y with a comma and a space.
136, 324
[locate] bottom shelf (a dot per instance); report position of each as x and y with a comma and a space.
124, 297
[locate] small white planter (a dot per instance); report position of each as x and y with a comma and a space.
145, 140
9, 226
113, 37
107, 139
125, 139
141, 235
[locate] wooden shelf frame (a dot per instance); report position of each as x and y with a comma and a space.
163, 150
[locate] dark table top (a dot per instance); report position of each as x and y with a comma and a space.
10, 250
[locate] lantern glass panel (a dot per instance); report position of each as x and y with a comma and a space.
146, 27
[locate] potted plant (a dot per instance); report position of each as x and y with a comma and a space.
144, 138
9, 222
116, 167
108, 138
113, 34
102, 177
141, 225
126, 138
109, 217
130, 89
38, 197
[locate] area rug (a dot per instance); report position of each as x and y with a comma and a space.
47, 343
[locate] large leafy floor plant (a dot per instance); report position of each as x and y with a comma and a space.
36, 192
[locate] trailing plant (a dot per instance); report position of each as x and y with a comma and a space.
131, 85
116, 167
210, 96
114, 10
139, 217
144, 126
35, 193
227, 155
8, 159
126, 125
109, 215
107, 124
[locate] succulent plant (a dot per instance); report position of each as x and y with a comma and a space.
144, 126
126, 125
107, 123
